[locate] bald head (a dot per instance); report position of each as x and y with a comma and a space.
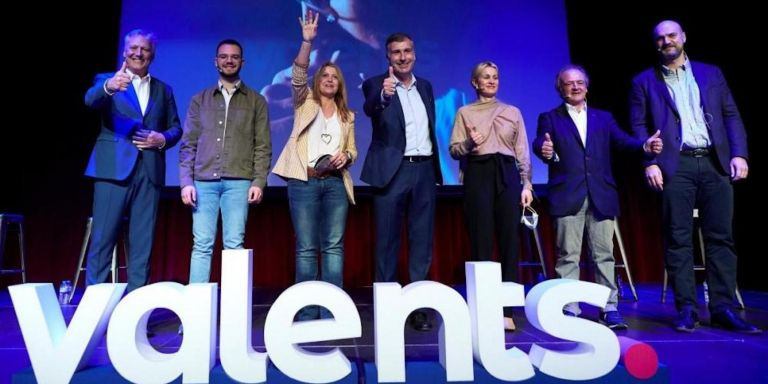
667, 25
669, 38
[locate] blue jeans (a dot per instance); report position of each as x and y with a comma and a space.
229, 195
319, 215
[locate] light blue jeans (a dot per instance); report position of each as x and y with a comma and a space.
229, 195
319, 215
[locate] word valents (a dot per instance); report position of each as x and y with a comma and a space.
471, 329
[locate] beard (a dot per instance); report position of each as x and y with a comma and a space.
228, 74
671, 55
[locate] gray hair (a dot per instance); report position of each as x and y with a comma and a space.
558, 84
145, 34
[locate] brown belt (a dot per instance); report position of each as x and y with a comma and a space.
311, 172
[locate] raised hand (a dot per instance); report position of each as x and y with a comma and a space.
547, 148
389, 84
120, 81
654, 144
309, 26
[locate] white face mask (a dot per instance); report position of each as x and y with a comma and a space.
530, 220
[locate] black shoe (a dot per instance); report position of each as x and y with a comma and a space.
726, 319
687, 320
420, 322
613, 320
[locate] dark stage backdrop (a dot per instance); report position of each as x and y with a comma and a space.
52, 133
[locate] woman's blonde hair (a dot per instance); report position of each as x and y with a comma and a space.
340, 98
479, 70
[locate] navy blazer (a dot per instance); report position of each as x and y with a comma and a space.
388, 131
652, 108
114, 155
580, 171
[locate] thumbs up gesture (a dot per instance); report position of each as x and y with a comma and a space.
119, 82
388, 88
547, 148
476, 136
654, 144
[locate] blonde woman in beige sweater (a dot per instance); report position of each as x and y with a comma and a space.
490, 141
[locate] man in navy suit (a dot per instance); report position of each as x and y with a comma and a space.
576, 142
138, 123
402, 164
690, 103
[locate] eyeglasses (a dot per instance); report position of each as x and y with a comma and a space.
580, 83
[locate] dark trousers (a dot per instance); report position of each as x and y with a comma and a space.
699, 184
411, 194
138, 198
490, 210
492, 207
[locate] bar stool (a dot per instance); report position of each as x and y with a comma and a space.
6, 220
624, 263
84, 249
698, 267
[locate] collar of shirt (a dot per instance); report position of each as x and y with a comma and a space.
669, 72
221, 87
135, 77
573, 109
402, 85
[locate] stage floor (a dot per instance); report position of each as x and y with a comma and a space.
708, 355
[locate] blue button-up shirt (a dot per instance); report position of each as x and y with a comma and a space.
685, 93
417, 141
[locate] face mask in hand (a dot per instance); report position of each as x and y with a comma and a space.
531, 219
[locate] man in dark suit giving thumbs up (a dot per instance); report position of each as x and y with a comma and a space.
402, 164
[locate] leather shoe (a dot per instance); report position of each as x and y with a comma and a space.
613, 320
420, 322
687, 320
726, 319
